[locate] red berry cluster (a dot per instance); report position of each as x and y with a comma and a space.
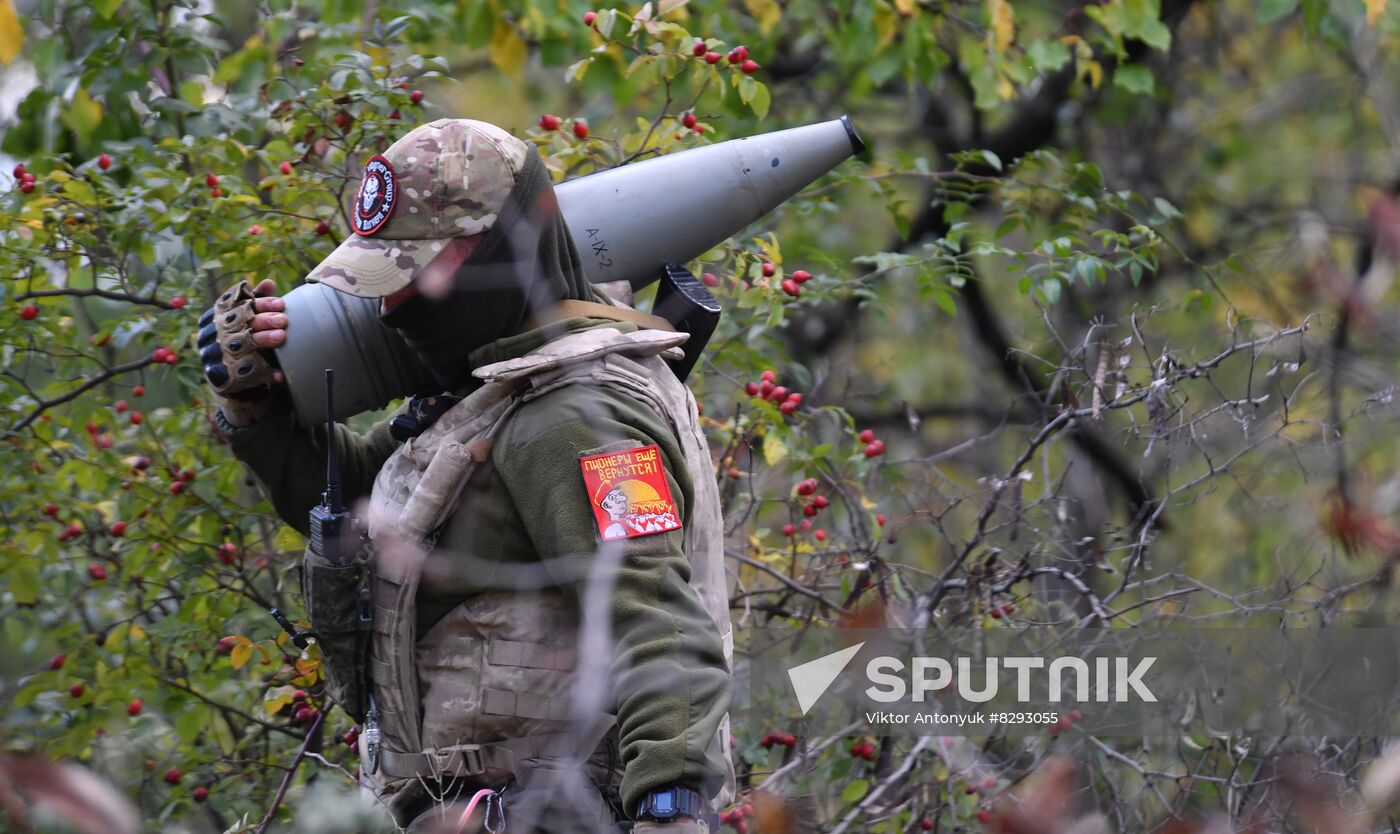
1064, 722
999, 611
778, 737
552, 122
228, 553
737, 817
351, 738
863, 750
874, 446
793, 285
164, 354
738, 56
99, 439
304, 713
212, 181
767, 388
812, 505
24, 180
178, 479
225, 646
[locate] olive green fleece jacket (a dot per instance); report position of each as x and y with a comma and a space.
529, 506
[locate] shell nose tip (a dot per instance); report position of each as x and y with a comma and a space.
857, 143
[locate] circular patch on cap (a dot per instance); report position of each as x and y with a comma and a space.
374, 202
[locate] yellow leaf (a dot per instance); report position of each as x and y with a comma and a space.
886, 25
766, 12
83, 115
11, 35
276, 698
1374, 10
507, 50
240, 655
1003, 21
1095, 72
288, 539
774, 449
906, 7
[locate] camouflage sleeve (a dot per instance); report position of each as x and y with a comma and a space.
289, 459
669, 676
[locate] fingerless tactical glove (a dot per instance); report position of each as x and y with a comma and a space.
237, 370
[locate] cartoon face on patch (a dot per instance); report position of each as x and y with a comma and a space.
374, 203
615, 505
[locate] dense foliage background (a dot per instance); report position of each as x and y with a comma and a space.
1110, 293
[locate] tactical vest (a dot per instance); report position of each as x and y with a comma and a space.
485, 693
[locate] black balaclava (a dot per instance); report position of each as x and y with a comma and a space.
526, 262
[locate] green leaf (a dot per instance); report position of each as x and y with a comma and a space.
191, 723
1135, 78
761, 100
192, 91
106, 8
855, 791
24, 581
944, 300
746, 88
576, 70
1271, 10
1048, 56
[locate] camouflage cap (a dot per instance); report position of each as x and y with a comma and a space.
443, 180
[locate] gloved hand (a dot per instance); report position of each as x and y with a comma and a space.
234, 337
684, 827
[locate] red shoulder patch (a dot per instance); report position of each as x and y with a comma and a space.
629, 493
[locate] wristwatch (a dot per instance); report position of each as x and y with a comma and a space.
668, 803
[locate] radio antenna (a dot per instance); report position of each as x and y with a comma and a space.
332, 498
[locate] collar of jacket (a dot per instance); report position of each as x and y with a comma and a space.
511, 347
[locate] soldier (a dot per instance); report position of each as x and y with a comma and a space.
552, 397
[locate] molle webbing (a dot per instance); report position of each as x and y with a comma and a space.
513, 756
499, 685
